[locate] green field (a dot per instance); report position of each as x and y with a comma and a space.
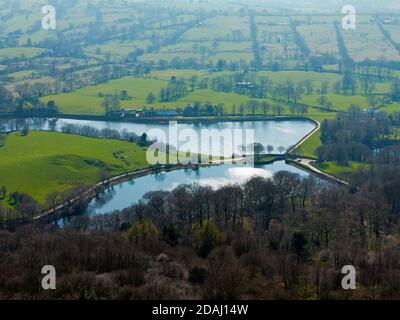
116, 50
340, 171
321, 38
340, 103
44, 80
297, 76
9, 53
368, 42
220, 27
45, 162
21, 75
391, 107
185, 74
87, 100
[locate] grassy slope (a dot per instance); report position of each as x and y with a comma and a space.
340, 103
392, 107
308, 148
87, 101
8, 53
341, 171
43, 162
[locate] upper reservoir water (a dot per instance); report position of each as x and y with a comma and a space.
282, 133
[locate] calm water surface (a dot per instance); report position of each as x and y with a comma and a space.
127, 193
284, 133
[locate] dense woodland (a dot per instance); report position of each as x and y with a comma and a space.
357, 136
280, 238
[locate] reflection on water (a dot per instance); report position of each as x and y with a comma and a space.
125, 194
235, 175
283, 133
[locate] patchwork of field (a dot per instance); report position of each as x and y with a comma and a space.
188, 35
394, 31
138, 32
22, 75
316, 78
367, 42
26, 80
184, 74
277, 42
221, 37
228, 28
115, 51
320, 38
391, 107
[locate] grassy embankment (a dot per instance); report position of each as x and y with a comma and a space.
341, 171
45, 162
309, 147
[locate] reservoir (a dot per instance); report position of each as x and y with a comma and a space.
282, 133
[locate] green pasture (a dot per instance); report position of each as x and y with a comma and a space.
9, 53
340, 171
45, 162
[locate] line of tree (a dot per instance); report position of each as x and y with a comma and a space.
257, 63
105, 133
300, 42
262, 87
27, 100
199, 109
387, 35
346, 62
354, 136
176, 89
